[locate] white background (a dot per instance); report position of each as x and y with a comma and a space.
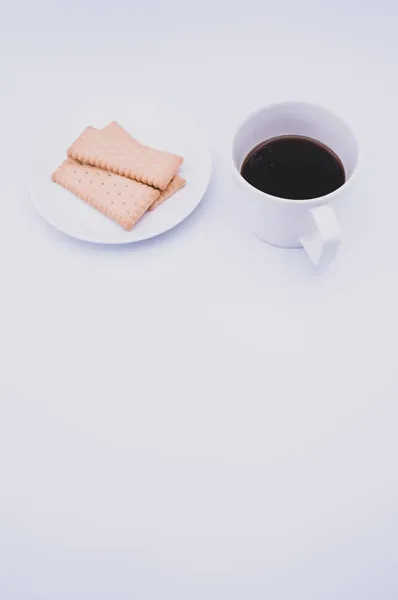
201, 416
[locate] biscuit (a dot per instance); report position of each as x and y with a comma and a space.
122, 200
123, 155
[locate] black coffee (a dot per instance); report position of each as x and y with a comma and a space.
294, 167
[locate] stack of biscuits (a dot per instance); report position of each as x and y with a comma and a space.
117, 175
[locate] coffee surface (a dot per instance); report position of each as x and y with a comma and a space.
293, 167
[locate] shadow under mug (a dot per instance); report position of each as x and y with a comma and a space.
309, 224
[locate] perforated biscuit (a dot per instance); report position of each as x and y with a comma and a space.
124, 155
119, 198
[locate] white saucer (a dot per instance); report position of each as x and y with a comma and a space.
153, 124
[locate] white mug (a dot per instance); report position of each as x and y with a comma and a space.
310, 224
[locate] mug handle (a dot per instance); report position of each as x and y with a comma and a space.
323, 236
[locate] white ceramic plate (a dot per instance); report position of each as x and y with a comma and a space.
153, 124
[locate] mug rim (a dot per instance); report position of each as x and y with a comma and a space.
308, 201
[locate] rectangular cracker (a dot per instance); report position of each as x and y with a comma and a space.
123, 155
175, 184
122, 200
